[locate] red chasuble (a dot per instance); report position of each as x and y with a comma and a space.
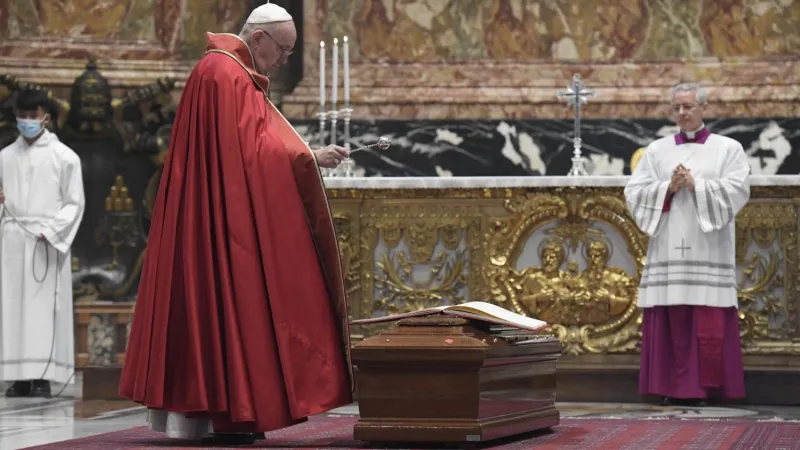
241, 315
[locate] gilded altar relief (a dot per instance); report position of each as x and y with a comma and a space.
410, 255
573, 257
767, 260
553, 259
557, 291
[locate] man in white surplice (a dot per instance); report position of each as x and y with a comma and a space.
42, 206
685, 194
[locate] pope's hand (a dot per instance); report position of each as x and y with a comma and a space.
329, 157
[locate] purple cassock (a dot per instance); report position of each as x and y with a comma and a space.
691, 352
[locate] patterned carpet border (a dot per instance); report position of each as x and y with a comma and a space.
336, 432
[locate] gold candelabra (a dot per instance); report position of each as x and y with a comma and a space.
118, 227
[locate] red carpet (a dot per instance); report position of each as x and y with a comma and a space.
579, 434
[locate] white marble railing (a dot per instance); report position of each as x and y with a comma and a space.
513, 182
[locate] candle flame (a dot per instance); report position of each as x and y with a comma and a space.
345, 38
322, 43
335, 40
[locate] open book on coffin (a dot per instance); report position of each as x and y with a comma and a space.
480, 311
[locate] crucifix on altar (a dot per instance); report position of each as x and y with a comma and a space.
577, 95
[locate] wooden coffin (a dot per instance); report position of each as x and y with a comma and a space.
446, 379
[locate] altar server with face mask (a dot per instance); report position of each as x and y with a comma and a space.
41, 207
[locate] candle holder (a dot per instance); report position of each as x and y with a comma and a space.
347, 166
334, 115
345, 169
323, 117
347, 112
118, 226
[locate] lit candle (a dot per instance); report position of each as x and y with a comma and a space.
321, 76
335, 72
346, 65
128, 204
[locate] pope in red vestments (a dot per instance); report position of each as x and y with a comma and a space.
240, 324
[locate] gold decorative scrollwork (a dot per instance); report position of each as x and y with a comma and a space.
400, 291
593, 310
757, 301
421, 256
407, 249
767, 258
348, 252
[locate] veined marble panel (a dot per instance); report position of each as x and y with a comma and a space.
561, 30
128, 29
48, 42
102, 334
457, 148
503, 59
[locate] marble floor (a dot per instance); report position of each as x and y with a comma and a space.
30, 422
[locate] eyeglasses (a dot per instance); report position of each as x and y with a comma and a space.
688, 108
285, 51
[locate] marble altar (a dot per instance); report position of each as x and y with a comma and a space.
411, 243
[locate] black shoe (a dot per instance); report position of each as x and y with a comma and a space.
229, 439
666, 401
259, 436
40, 388
701, 403
19, 389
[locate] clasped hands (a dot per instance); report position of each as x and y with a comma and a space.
681, 178
331, 156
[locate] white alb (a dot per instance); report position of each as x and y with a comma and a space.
43, 190
691, 256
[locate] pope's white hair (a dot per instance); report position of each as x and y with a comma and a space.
700, 91
249, 28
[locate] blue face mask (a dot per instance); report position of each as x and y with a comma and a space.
29, 128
